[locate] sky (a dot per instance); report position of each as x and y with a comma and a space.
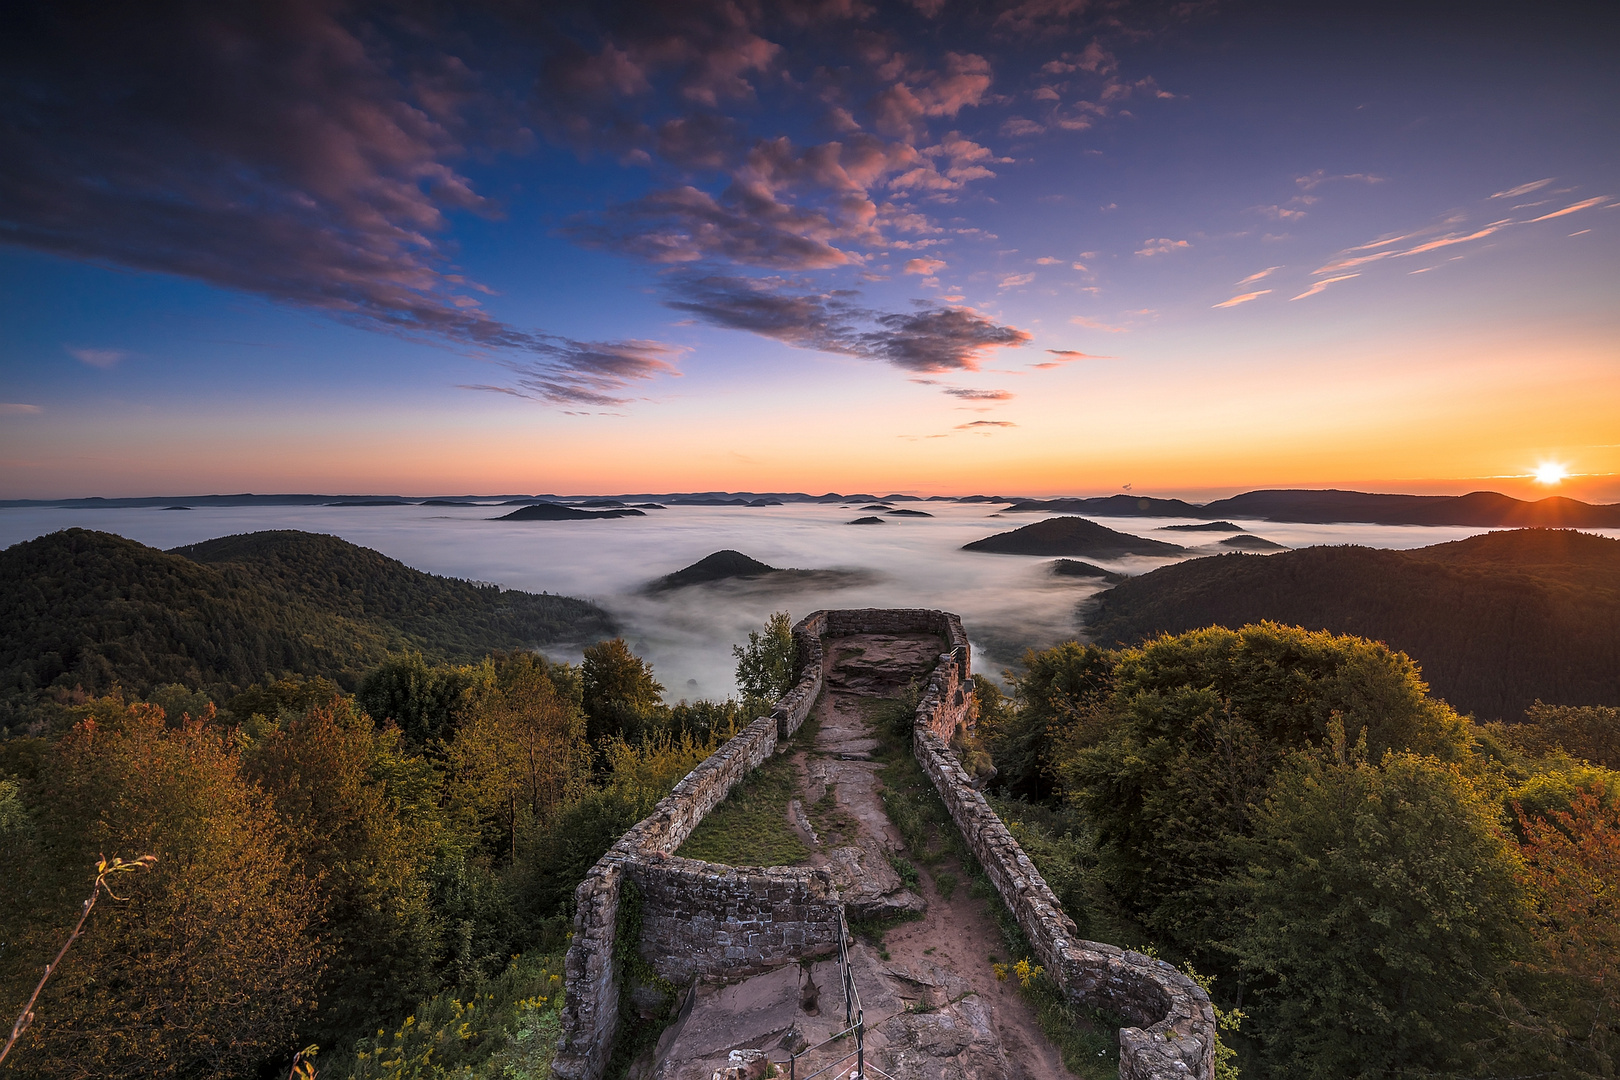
1027, 247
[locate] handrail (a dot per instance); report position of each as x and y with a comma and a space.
854, 1016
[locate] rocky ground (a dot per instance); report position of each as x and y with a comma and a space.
933, 1007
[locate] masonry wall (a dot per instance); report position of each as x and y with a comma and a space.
1174, 1033
701, 919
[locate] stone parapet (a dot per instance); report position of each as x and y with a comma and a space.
1174, 1033
701, 920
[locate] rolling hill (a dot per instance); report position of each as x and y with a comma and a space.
1496, 621
93, 610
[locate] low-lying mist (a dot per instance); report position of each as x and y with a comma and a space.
1007, 602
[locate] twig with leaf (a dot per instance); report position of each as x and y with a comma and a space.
105, 868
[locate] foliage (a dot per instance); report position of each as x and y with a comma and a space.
1498, 620
1059, 690
365, 823
1590, 733
159, 988
1381, 902
1202, 721
82, 612
767, 664
501, 1028
1571, 864
750, 826
418, 697
620, 695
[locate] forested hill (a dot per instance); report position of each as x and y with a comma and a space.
90, 609
1496, 621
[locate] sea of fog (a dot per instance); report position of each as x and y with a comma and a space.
1007, 602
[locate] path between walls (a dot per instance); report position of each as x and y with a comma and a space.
934, 1009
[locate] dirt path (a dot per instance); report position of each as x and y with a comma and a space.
934, 1009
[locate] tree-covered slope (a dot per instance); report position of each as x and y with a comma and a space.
1496, 621
90, 610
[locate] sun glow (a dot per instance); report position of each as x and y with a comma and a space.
1550, 473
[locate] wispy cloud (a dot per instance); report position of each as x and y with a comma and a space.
1066, 356
105, 359
1096, 324
18, 408
924, 266
1242, 298
1522, 189
1013, 281
593, 373
981, 425
1252, 278
967, 394
1313, 180
1321, 285
1582, 205
1162, 246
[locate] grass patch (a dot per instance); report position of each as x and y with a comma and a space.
872, 931
907, 871
1087, 1039
750, 828
945, 882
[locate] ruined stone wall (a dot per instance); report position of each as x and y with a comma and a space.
700, 919
726, 910
1174, 1033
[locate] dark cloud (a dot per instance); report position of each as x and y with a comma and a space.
822, 321
982, 425
587, 372
967, 394
936, 339
930, 340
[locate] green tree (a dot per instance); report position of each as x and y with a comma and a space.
766, 666
1058, 691
1382, 907
419, 697
620, 695
208, 967
365, 823
1200, 723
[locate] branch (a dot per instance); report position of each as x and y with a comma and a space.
105, 868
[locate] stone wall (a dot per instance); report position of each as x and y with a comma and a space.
1174, 1033
700, 919
726, 909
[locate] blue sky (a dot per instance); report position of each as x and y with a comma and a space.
1037, 246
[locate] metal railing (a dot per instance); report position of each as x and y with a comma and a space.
854, 1023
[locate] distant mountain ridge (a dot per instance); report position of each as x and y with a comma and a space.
1484, 509
1496, 621
1488, 509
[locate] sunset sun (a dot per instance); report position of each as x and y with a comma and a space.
1550, 473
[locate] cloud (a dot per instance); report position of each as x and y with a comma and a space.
1280, 213
1243, 298
1582, 205
1013, 281
1252, 278
981, 425
924, 266
1162, 246
1018, 127
18, 408
936, 339
1522, 189
1313, 180
1066, 356
588, 372
1319, 286
105, 359
929, 340
1094, 324
1047, 260
979, 395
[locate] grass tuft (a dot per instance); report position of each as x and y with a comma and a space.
750, 828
